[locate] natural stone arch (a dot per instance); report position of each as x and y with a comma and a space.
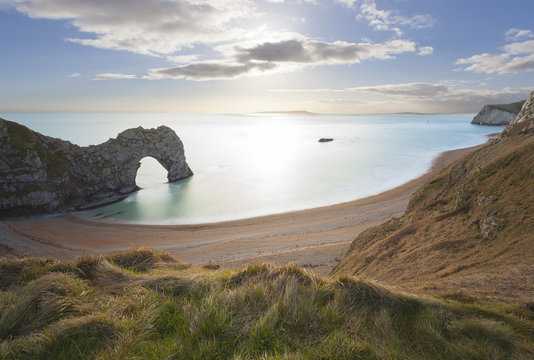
132, 145
40, 173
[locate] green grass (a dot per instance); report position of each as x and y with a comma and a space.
145, 304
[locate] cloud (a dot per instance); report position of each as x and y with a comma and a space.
515, 34
387, 20
209, 71
156, 27
113, 76
282, 55
164, 28
313, 51
518, 48
182, 59
418, 97
431, 92
425, 50
74, 75
515, 57
419, 90
440, 94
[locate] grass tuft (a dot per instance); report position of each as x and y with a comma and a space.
107, 308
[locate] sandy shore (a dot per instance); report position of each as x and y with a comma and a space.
315, 238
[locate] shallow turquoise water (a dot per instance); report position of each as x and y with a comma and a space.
262, 164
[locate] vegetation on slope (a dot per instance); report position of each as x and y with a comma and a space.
148, 305
470, 230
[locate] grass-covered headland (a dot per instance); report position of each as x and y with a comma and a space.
144, 304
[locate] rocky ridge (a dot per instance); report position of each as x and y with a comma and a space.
496, 115
44, 174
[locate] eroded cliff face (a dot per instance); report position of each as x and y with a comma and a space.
43, 174
502, 114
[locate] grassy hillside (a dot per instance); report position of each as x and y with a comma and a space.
468, 231
148, 305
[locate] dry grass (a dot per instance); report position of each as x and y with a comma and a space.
96, 309
468, 230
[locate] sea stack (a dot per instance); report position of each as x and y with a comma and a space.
44, 174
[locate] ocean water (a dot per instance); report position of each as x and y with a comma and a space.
252, 165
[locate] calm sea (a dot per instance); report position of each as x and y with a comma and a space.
251, 165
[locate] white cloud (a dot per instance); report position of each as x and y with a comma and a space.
425, 50
515, 57
74, 75
515, 34
156, 27
387, 20
518, 48
113, 76
498, 64
348, 3
182, 59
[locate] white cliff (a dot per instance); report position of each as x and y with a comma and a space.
501, 114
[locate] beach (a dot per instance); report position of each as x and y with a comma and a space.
315, 238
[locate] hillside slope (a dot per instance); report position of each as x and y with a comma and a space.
144, 304
470, 230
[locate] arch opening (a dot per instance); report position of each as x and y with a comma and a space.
150, 173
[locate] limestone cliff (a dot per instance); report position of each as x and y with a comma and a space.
502, 114
44, 174
524, 122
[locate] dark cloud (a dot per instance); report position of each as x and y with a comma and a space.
207, 71
275, 56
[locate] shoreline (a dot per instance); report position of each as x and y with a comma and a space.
315, 238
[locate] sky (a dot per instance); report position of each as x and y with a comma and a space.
242, 56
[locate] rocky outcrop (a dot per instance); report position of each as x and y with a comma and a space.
502, 114
43, 174
524, 122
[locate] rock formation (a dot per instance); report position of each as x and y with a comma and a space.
524, 122
44, 174
502, 114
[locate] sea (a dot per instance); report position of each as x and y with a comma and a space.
258, 164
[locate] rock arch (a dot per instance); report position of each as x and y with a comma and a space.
126, 151
39, 173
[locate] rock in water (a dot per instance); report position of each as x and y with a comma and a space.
44, 174
502, 114
325, 139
